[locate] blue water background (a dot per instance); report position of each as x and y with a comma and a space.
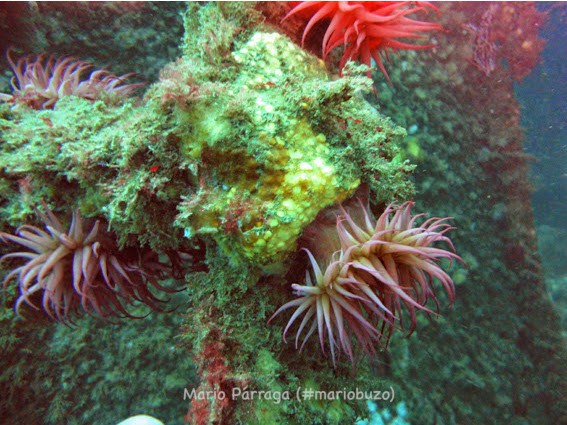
543, 98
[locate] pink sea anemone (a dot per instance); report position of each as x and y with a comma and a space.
40, 83
383, 271
74, 269
367, 30
334, 305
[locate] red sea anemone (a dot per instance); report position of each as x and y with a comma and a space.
367, 30
40, 84
383, 271
75, 269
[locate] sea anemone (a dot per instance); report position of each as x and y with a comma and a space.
333, 302
367, 30
74, 269
40, 83
380, 267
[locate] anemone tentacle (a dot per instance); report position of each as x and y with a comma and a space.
381, 267
40, 83
76, 269
367, 30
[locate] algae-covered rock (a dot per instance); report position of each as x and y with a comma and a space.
223, 163
250, 160
116, 162
269, 151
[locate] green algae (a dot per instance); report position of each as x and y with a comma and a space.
97, 158
274, 170
217, 150
240, 147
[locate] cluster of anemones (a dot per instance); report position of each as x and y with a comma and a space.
40, 83
74, 269
382, 268
366, 30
